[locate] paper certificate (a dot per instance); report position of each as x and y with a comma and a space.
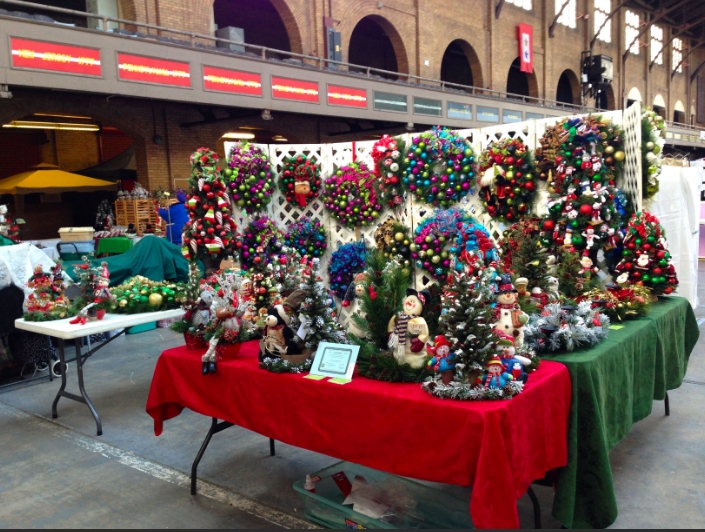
335, 360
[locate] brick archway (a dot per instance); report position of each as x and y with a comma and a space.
473, 61
568, 88
522, 83
390, 31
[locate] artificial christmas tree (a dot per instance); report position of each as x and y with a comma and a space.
646, 260
210, 233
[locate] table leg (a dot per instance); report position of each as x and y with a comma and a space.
537, 507
215, 429
82, 389
62, 365
667, 405
271, 447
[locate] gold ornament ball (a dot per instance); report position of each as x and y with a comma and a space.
399, 237
144, 292
609, 150
123, 303
620, 156
155, 300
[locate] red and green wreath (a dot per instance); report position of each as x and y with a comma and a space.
300, 182
508, 185
353, 196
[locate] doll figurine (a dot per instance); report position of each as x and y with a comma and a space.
352, 301
513, 364
408, 331
510, 318
495, 377
442, 361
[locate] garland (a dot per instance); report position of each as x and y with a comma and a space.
653, 133
353, 196
139, 294
300, 182
250, 177
262, 244
508, 187
307, 237
618, 303
464, 392
388, 156
566, 328
284, 366
440, 167
346, 261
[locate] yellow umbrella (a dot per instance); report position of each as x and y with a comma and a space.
48, 179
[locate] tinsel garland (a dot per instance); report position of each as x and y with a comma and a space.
303, 172
440, 167
346, 261
250, 177
279, 365
566, 328
466, 392
262, 243
653, 133
388, 155
307, 237
508, 184
353, 196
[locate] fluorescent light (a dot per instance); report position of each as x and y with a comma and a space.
239, 135
64, 116
279, 138
24, 124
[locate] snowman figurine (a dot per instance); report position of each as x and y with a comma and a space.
496, 377
408, 331
513, 364
510, 318
353, 301
442, 360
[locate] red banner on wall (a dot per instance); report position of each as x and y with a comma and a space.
151, 70
294, 89
234, 81
347, 97
38, 55
526, 48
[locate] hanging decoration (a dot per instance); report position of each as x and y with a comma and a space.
353, 196
346, 261
300, 182
646, 260
262, 243
653, 138
508, 180
388, 156
393, 240
440, 167
250, 177
307, 237
566, 328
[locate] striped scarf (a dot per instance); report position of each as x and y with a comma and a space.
402, 325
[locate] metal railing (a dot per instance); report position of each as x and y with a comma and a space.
195, 40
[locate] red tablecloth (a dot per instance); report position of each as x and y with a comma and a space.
498, 448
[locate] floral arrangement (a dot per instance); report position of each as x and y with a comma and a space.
300, 182
47, 302
388, 155
618, 303
262, 243
508, 186
346, 261
653, 133
439, 167
646, 260
250, 178
307, 237
566, 328
140, 294
353, 195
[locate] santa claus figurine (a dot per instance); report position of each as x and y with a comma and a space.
408, 331
510, 318
302, 190
442, 360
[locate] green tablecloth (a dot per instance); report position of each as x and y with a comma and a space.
614, 386
114, 246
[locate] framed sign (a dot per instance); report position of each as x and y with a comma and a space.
55, 57
152, 70
232, 81
335, 360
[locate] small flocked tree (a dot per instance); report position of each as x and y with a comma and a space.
529, 260
570, 283
316, 312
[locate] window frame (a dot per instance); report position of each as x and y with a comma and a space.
569, 16
600, 14
631, 31
677, 55
656, 44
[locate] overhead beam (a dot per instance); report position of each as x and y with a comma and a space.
686, 56
604, 23
498, 9
696, 72
657, 17
552, 27
682, 29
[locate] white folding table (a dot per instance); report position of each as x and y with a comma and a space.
63, 330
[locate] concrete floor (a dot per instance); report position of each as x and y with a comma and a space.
58, 474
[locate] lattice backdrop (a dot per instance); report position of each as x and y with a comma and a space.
333, 156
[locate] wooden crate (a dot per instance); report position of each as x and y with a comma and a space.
138, 212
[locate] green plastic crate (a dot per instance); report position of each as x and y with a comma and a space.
433, 509
142, 328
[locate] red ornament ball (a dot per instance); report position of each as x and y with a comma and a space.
585, 210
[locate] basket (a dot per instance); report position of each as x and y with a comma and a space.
195, 342
227, 351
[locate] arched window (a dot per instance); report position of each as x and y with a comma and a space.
375, 43
520, 83
679, 112
633, 96
568, 90
660, 106
461, 65
605, 99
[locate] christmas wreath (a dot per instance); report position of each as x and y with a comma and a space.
508, 186
261, 245
346, 261
307, 237
439, 167
653, 132
353, 196
393, 240
249, 174
646, 260
388, 156
566, 328
300, 182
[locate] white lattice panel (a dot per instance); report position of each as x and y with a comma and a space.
631, 182
526, 131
